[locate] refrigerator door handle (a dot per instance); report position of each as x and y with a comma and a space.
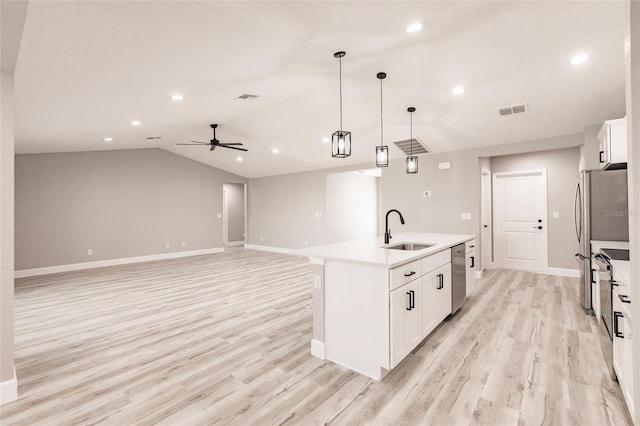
577, 205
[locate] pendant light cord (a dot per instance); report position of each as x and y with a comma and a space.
340, 93
381, 134
411, 134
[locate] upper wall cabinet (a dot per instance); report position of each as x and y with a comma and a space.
612, 140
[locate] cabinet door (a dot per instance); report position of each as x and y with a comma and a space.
617, 323
430, 299
405, 321
471, 271
595, 291
627, 386
436, 298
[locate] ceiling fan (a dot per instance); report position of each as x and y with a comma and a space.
214, 143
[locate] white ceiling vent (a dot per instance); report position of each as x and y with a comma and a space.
513, 109
246, 97
418, 146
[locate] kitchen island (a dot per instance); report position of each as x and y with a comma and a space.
373, 304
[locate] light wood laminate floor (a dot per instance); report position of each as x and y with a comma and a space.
224, 339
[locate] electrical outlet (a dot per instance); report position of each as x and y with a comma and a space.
556, 215
167, 245
89, 252
184, 244
306, 243
317, 282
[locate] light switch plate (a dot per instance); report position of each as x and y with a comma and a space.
318, 215
219, 215
426, 194
556, 215
445, 165
465, 216
317, 282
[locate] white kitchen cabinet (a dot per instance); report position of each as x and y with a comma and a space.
612, 141
470, 264
436, 298
595, 291
405, 327
622, 350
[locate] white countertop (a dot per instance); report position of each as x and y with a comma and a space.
371, 250
596, 245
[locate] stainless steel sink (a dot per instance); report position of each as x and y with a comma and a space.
409, 246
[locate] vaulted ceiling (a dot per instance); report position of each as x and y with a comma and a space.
87, 69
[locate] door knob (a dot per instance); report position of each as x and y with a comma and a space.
485, 226
537, 227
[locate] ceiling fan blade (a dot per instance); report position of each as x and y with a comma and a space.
233, 147
203, 143
189, 144
231, 143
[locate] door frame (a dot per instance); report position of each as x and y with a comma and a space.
545, 233
486, 202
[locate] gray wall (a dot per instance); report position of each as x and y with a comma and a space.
235, 211
562, 175
118, 203
282, 210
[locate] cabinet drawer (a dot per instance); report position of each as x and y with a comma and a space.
470, 245
405, 273
435, 261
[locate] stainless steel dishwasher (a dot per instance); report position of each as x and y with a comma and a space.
458, 277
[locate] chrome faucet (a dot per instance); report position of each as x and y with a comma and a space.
387, 231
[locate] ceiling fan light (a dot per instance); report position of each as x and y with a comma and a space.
382, 156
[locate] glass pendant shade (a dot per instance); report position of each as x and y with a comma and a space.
341, 144
412, 164
382, 156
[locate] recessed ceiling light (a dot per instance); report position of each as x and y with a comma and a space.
458, 90
275, 150
326, 140
136, 123
177, 98
415, 27
108, 139
580, 58
238, 158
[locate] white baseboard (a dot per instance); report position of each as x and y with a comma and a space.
479, 275
317, 349
9, 389
267, 248
112, 262
564, 272
234, 243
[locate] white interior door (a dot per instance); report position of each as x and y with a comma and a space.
520, 213
486, 244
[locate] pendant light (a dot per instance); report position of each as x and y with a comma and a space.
341, 139
382, 151
412, 160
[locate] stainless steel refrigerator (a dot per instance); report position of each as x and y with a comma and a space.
601, 213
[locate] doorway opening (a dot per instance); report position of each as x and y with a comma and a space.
234, 214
